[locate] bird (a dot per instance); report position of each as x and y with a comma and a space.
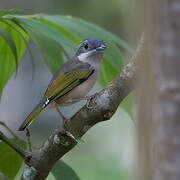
72, 82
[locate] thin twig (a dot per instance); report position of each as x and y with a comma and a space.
9, 130
23, 153
14, 135
28, 139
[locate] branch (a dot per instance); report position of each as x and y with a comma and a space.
23, 153
104, 106
9, 130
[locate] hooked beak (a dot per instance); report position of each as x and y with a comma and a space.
101, 48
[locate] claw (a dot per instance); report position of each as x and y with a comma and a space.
88, 98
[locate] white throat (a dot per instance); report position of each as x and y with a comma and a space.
91, 57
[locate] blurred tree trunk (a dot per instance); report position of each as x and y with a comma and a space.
167, 105
159, 93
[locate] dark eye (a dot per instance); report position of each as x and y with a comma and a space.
86, 46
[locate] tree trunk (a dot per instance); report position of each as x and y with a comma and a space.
160, 95
167, 105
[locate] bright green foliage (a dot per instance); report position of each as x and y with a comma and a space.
10, 161
7, 37
52, 33
12, 47
62, 171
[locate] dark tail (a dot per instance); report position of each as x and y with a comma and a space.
32, 115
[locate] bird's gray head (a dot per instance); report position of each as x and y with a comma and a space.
91, 48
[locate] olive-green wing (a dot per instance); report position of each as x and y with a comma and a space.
66, 81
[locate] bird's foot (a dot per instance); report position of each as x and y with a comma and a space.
78, 140
87, 98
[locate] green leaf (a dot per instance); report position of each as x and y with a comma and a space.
10, 42
49, 48
127, 104
61, 29
82, 27
50, 32
9, 11
7, 59
107, 73
10, 161
50, 177
62, 171
19, 173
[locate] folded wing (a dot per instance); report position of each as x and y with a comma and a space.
64, 82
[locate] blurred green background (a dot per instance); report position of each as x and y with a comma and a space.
108, 149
